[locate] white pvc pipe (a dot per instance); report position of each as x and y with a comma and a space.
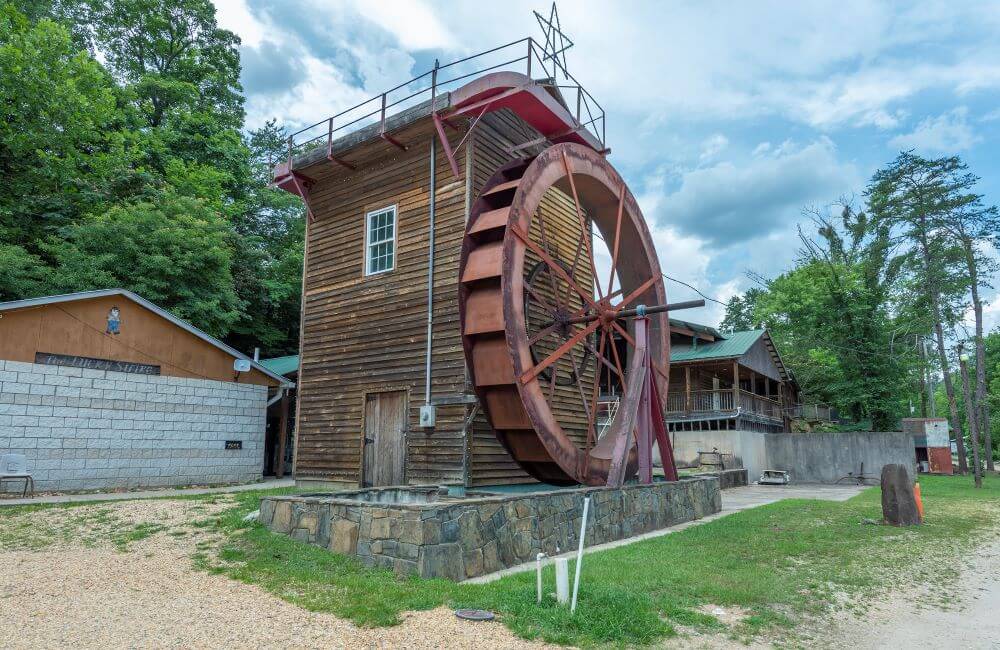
538, 577
579, 554
562, 580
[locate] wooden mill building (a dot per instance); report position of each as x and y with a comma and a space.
388, 203
384, 396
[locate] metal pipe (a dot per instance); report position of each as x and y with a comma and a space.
430, 274
628, 313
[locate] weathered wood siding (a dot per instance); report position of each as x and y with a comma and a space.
367, 334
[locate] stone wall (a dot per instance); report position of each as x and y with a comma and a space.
459, 539
92, 429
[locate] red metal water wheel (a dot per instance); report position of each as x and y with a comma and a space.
540, 326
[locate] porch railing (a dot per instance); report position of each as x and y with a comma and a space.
708, 401
812, 412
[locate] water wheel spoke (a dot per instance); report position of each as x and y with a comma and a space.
618, 361
600, 355
540, 299
579, 313
579, 385
553, 265
584, 230
552, 325
618, 233
595, 393
545, 247
638, 292
560, 352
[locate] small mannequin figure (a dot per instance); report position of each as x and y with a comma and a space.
114, 321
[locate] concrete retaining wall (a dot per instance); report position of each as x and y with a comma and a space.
92, 429
459, 539
809, 457
827, 457
747, 447
728, 478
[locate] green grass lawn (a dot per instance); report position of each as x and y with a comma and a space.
783, 563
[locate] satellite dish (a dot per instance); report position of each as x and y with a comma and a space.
241, 365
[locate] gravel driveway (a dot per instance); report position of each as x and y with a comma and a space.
82, 589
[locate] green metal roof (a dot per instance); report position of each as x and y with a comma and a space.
697, 327
282, 365
735, 344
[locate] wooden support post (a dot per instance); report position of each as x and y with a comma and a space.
736, 384
279, 469
687, 390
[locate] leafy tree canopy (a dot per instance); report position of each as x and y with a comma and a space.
137, 172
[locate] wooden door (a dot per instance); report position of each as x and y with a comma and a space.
385, 439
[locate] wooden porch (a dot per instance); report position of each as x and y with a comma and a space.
724, 395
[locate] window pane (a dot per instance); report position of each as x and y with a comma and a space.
381, 240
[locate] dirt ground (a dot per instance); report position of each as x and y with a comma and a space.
966, 615
83, 591
121, 575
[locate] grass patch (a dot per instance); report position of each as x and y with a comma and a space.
782, 563
122, 539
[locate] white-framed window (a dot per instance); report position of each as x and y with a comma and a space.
380, 240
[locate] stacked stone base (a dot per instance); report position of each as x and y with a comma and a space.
464, 538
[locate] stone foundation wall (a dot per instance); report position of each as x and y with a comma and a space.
459, 539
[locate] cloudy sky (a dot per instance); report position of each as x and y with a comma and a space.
726, 118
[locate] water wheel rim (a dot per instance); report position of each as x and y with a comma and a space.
601, 188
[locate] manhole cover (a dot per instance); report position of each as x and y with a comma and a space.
474, 614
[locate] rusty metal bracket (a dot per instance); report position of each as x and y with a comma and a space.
385, 136
299, 184
329, 148
449, 154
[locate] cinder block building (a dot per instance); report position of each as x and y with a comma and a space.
103, 389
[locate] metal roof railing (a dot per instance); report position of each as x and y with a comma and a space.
523, 55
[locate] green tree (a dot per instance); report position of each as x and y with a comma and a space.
740, 311
268, 244
833, 316
174, 55
62, 151
914, 197
110, 169
172, 252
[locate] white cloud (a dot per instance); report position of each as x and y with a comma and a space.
947, 133
414, 24
713, 145
729, 202
236, 16
322, 92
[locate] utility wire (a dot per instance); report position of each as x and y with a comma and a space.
693, 288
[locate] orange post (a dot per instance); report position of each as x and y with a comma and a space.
920, 502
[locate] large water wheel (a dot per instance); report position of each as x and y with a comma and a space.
543, 329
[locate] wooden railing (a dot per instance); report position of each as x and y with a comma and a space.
812, 412
707, 401
759, 405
